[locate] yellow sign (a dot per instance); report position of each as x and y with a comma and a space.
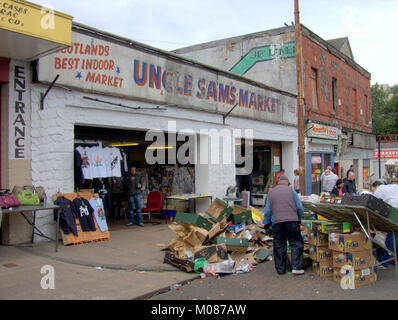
36, 21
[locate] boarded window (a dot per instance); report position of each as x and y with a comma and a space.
314, 84
334, 94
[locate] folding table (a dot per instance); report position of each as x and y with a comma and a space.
45, 206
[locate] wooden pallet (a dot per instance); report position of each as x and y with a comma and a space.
83, 236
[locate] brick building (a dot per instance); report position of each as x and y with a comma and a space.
336, 90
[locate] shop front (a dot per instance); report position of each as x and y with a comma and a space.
157, 110
27, 32
321, 143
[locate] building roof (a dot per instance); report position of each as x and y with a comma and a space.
342, 44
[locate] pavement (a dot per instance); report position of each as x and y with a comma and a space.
129, 266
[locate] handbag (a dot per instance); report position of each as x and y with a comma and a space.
27, 197
8, 199
39, 190
41, 193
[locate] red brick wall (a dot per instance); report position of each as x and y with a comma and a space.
349, 81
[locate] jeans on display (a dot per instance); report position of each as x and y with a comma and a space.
135, 203
283, 232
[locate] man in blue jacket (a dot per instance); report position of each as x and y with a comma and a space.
286, 210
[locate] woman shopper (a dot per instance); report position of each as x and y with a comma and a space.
338, 188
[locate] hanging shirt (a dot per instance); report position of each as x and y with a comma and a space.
99, 158
79, 177
114, 162
67, 219
86, 162
99, 213
84, 212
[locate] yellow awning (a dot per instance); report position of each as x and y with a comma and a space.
29, 31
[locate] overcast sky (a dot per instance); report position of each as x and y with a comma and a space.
370, 25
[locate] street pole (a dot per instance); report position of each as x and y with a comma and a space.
300, 106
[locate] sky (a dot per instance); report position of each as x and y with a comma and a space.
370, 25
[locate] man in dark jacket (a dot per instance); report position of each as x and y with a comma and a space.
133, 187
349, 183
284, 205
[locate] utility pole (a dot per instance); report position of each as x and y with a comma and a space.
300, 105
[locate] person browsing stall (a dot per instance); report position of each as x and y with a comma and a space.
133, 187
349, 183
338, 188
389, 194
285, 208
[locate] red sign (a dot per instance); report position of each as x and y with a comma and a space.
386, 154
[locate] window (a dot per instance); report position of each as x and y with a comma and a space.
334, 94
314, 83
355, 103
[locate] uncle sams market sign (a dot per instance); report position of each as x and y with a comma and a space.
95, 65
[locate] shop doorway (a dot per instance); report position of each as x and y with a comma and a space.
132, 145
261, 176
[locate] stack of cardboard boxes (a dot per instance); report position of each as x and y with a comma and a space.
333, 246
353, 250
226, 237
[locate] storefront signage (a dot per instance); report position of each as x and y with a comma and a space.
386, 154
103, 67
19, 111
33, 20
321, 131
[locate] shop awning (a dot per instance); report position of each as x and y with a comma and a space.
29, 31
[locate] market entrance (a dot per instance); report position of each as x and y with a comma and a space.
128, 148
260, 179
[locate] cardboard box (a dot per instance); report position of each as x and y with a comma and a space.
331, 226
320, 253
358, 260
233, 244
362, 277
323, 269
195, 219
213, 254
218, 210
240, 214
242, 258
319, 239
353, 242
217, 229
186, 265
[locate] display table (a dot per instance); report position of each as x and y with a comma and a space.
361, 217
45, 206
188, 197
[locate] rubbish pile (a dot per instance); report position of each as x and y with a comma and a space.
222, 240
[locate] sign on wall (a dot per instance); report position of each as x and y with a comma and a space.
19, 111
108, 68
385, 154
322, 131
